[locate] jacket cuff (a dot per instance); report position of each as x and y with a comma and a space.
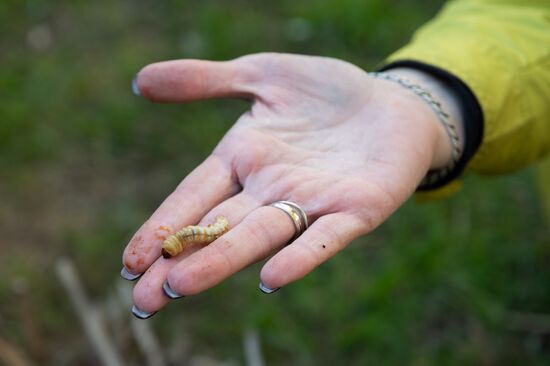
471, 112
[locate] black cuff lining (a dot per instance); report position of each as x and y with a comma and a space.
471, 111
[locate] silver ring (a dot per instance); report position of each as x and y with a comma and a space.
296, 214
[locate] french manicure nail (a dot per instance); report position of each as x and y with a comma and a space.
127, 275
135, 87
140, 314
169, 292
267, 290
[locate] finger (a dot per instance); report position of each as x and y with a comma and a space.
327, 236
265, 229
234, 209
148, 294
188, 80
208, 185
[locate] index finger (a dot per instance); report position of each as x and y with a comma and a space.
209, 184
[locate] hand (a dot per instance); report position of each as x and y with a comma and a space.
348, 148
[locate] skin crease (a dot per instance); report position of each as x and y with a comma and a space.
348, 148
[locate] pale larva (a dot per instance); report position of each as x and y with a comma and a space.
175, 244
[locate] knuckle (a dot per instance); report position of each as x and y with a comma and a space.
259, 228
329, 233
206, 270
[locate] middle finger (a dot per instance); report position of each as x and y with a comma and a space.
148, 294
263, 230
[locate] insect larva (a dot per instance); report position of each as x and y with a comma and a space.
175, 244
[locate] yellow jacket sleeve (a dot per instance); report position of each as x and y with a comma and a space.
501, 50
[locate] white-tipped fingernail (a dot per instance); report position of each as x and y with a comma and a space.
267, 290
140, 314
135, 87
127, 275
169, 292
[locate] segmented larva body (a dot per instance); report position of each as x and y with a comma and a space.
175, 244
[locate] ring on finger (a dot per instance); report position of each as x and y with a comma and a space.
296, 214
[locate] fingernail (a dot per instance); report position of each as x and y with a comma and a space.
140, 314
135, 87
169, 292
267, 290
127, 275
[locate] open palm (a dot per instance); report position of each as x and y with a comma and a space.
348, 148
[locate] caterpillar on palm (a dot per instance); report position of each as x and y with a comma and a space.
175, 244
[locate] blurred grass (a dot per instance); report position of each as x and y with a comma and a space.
83, 163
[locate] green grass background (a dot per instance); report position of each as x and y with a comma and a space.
83, 163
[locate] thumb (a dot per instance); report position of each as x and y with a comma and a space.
188, 80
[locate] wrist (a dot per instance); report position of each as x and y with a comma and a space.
443, 148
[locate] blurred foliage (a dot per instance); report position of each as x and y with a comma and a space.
83, 163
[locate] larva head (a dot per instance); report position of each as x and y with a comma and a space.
166, 254
170, 247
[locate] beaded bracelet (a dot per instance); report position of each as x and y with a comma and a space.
433, 175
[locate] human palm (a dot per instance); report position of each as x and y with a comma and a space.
348, 148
